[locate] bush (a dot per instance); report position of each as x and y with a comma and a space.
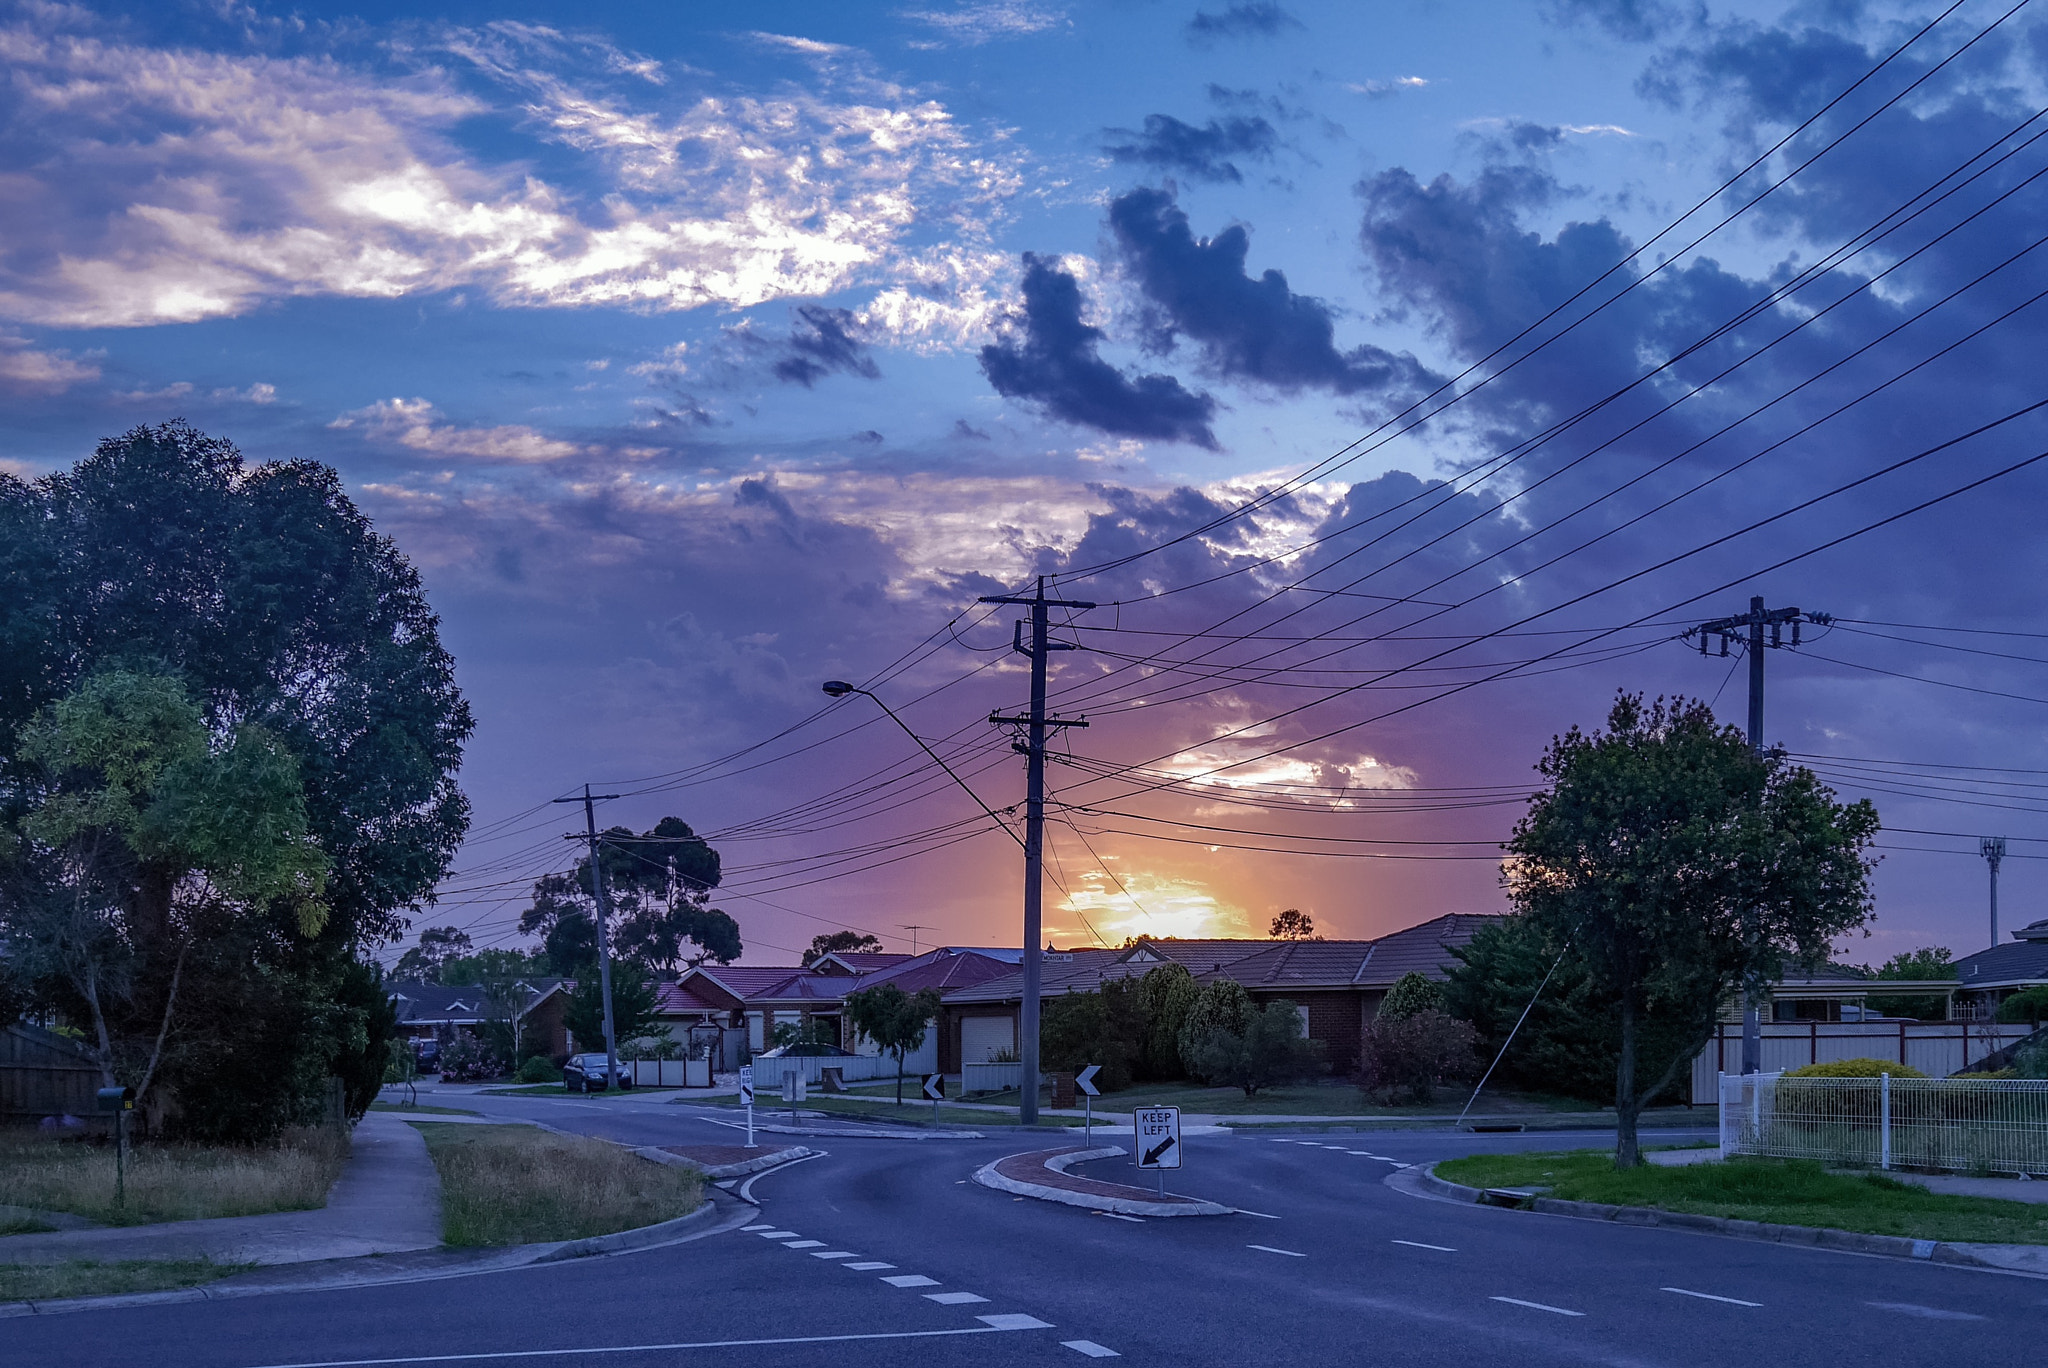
1269, 1051
1411, 993
1855, 1068
469, 1059
539, 1069
1103, 1027
2029, 1006
1222, 1006
1165, 996
1414, 1054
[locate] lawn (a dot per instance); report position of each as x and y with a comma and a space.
1784, 1192
171, 1182
423, 1108
91, 1278
506, 1185
916, 1112
1308, 1099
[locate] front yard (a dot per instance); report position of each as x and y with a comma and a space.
1783, 1192
507, 1185
92, 1278
170, 1182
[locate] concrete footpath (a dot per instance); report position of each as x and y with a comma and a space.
387, 1201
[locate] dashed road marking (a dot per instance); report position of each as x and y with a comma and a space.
1260, 1214
1270, 1250
1446, 1249
954, 1298
1089, 1348
803, 1244
1537, 1306
866, 1267
1119, 1216
1925, 1312
1709, 1296
772, 1234
1012, 1321
911, 1280
756, 1229
833, 1254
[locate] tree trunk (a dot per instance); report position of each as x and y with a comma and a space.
1627, 1104
899, 1077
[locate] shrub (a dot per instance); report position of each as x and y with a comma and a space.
539, 1069
1855, 1068
1103, 1027
1415, 1054
1411, 993
1165, 996
1222, 1006
1269, 1051
2029, 1006
468, 1058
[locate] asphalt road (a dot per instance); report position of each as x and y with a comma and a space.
914, 1263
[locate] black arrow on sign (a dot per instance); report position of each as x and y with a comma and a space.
1152, 1155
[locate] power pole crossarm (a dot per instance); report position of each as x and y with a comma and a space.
1035, 725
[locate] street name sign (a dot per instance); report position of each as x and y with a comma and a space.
1085, 1080
935, 1086
1156, 1132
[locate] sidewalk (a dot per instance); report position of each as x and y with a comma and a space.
387, 1200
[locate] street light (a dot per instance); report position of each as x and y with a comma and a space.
839, 688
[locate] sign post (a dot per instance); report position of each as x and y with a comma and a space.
747, 1099
1155, 1136
793, 1093
1085, 1082
119, 1102
935, 1089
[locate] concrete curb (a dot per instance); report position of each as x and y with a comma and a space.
739, 1170
987, 1176
2028, 1259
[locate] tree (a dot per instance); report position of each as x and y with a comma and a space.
1106, 1027
1679, 867
895, 1020
2028, 1005
422, 963
658, 885
1223, 1005
633, 1007
1928, 962
1269, 1050
1412, 992
1293, 924
268, 596
1165, 996
1415, 1052
841, 942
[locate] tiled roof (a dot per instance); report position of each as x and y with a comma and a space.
1080, 971
941, 969
676, 998
422, 1004
867, 961
2023, 961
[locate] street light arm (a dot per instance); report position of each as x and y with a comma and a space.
839, 688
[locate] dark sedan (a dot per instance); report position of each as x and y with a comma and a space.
585, 1073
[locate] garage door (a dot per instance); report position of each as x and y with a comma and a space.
983, 1038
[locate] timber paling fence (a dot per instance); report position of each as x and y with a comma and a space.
1960, 1125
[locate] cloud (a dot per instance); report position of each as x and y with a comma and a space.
24, 369
257, 177
1636, 21
1048, 357
1170, 145
1252, 330
822, 342
972, 25
411, 423
1256, 19
1381, 89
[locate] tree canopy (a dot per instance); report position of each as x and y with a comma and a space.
1293, 924
841, 943
895, 1020
658, 886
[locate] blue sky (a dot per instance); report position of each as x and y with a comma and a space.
701, 353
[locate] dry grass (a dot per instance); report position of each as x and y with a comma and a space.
171, 1182
91, 1278
506, 1185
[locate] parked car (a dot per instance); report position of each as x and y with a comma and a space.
585, 1073
427, 1056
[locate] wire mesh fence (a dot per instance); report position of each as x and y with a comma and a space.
1961, 1125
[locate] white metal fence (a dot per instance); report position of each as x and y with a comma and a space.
768, 1073
980, 1078
670, 1073
1966, 1125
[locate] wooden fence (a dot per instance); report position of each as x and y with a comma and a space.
44, 1074
1935, 1048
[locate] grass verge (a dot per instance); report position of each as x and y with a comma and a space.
911, 1113
423, 1107
92, 1278
507, 1185
171, 1182
1781, 1191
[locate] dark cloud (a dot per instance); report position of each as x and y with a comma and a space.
1258, 19
1203, 153
822, 341
1249, 329
1635, 21
967, 432
1049, 358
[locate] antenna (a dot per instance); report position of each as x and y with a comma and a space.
913, 929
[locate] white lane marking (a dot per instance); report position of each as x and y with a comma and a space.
866, 1267
954, 1298
833, 1254
1708, 1296
1446, 1249
1537, 1306
1090, 1348
1924, 1312
911, 1280
1270, 1250
779, 1235
995, 1324
803, 1244
1260, 1214
747, 1188
756, 1229
1119, 1216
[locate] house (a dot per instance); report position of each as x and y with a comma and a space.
1989, 977
1338, 984
436, 1012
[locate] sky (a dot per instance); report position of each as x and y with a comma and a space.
1401, 381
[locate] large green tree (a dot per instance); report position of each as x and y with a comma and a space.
265, 593
658, 886
1679, 866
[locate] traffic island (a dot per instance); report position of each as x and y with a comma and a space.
725, 1161
1043, 1174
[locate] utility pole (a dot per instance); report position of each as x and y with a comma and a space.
913, 928
1992, 848
1749, 628
604, 945
1032, 748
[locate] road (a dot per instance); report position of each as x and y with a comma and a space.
882, 1252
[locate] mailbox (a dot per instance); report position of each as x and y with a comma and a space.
113, 1100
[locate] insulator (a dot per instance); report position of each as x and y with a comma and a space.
1795, 631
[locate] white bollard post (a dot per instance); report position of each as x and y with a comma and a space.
1884, 1108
